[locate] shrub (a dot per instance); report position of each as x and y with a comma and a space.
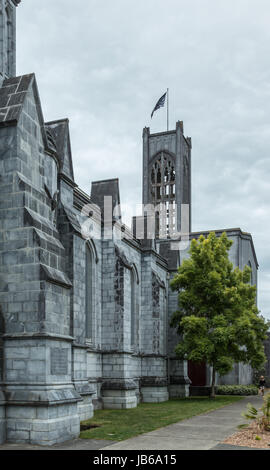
261, 416
242, 390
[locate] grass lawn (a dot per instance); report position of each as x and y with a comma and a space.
118, 425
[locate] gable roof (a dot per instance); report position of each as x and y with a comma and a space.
60, 131
12, 95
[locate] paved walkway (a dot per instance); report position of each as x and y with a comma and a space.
75, 444
203, 432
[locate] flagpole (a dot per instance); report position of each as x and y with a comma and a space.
167, 109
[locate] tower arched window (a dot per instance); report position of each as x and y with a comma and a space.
163, 192
166, 175
159, 176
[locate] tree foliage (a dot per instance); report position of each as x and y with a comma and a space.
218, 319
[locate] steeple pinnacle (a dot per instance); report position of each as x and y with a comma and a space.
8, 38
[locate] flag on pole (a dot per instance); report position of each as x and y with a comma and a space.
159, 104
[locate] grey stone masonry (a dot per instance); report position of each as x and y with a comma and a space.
85, 302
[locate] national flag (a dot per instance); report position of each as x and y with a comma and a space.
159, 104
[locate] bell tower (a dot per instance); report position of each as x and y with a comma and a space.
167, 178
8, 38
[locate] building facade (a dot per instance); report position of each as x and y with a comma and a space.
84, 319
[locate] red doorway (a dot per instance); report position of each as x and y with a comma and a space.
197, 373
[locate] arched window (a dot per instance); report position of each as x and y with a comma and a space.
163, 192
251, 274
89, 310
163, 320
133, 310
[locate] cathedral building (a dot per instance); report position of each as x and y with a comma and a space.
85, 319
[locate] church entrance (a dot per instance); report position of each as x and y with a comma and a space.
197, 373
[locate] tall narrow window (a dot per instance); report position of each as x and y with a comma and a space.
133, 310
8, 42
2, 331
164, 326
251, 274
88, 294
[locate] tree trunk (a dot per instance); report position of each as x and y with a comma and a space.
212, 394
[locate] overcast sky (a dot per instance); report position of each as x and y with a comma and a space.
103, 64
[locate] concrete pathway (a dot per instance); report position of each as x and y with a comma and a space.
201, 432
75, 444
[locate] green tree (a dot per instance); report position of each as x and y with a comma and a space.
217, 318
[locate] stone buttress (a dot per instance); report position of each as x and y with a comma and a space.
35, 291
